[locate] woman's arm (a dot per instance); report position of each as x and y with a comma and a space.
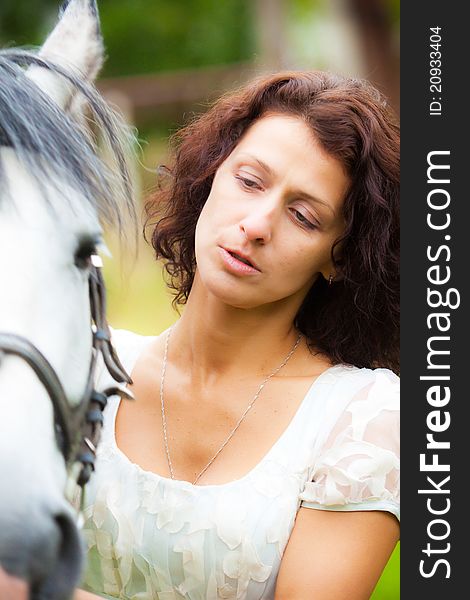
336, 555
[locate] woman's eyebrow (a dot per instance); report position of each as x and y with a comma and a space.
263, 165
299, 193
315, 200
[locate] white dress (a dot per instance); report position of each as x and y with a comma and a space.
149, 537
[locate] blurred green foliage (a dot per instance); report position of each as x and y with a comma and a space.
147, 35
144, 36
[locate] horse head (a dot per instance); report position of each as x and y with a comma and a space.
56, 192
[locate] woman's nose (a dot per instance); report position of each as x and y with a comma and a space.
258, 225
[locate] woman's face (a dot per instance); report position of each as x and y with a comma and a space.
275, 202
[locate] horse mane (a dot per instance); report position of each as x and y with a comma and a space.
47, 139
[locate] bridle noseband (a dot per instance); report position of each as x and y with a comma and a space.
77, 428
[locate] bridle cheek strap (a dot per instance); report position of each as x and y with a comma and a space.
77, 428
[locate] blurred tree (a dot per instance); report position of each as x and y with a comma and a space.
21, 24
375, 21
359, 37
145, 36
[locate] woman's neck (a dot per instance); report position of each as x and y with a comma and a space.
213, 340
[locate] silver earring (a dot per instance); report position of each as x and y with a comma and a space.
330, 279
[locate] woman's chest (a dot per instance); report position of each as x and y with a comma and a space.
229, 428
205, 542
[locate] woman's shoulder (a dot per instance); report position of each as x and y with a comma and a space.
341, 388
368, 383
360, 397
365, 373
372, 391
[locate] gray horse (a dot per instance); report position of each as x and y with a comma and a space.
55, 195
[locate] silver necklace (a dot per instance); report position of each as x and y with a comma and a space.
165, 437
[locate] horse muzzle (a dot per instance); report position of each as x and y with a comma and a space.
41, 555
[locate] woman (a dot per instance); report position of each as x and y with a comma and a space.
260, 459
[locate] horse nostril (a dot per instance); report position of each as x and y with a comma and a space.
41, 546
71, 550
64, 577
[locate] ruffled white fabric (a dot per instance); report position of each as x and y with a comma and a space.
149, 537
358, 467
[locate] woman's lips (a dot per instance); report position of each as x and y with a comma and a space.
235, 265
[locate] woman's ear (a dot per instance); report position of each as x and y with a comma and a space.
332, 271
334, 278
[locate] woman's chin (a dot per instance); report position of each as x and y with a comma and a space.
234, 295
237, 292
238, 301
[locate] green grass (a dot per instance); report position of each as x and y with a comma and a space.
388, 587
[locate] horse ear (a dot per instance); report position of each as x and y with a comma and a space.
75, 43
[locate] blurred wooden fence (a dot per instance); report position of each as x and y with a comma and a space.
141, 97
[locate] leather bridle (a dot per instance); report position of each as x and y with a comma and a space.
77, 427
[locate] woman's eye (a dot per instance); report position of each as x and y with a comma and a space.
248, 183
303, 220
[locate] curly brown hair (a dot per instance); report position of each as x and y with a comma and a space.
355, 320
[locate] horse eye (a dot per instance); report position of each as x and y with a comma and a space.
83, 254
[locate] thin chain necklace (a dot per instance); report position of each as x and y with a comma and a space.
165, 437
